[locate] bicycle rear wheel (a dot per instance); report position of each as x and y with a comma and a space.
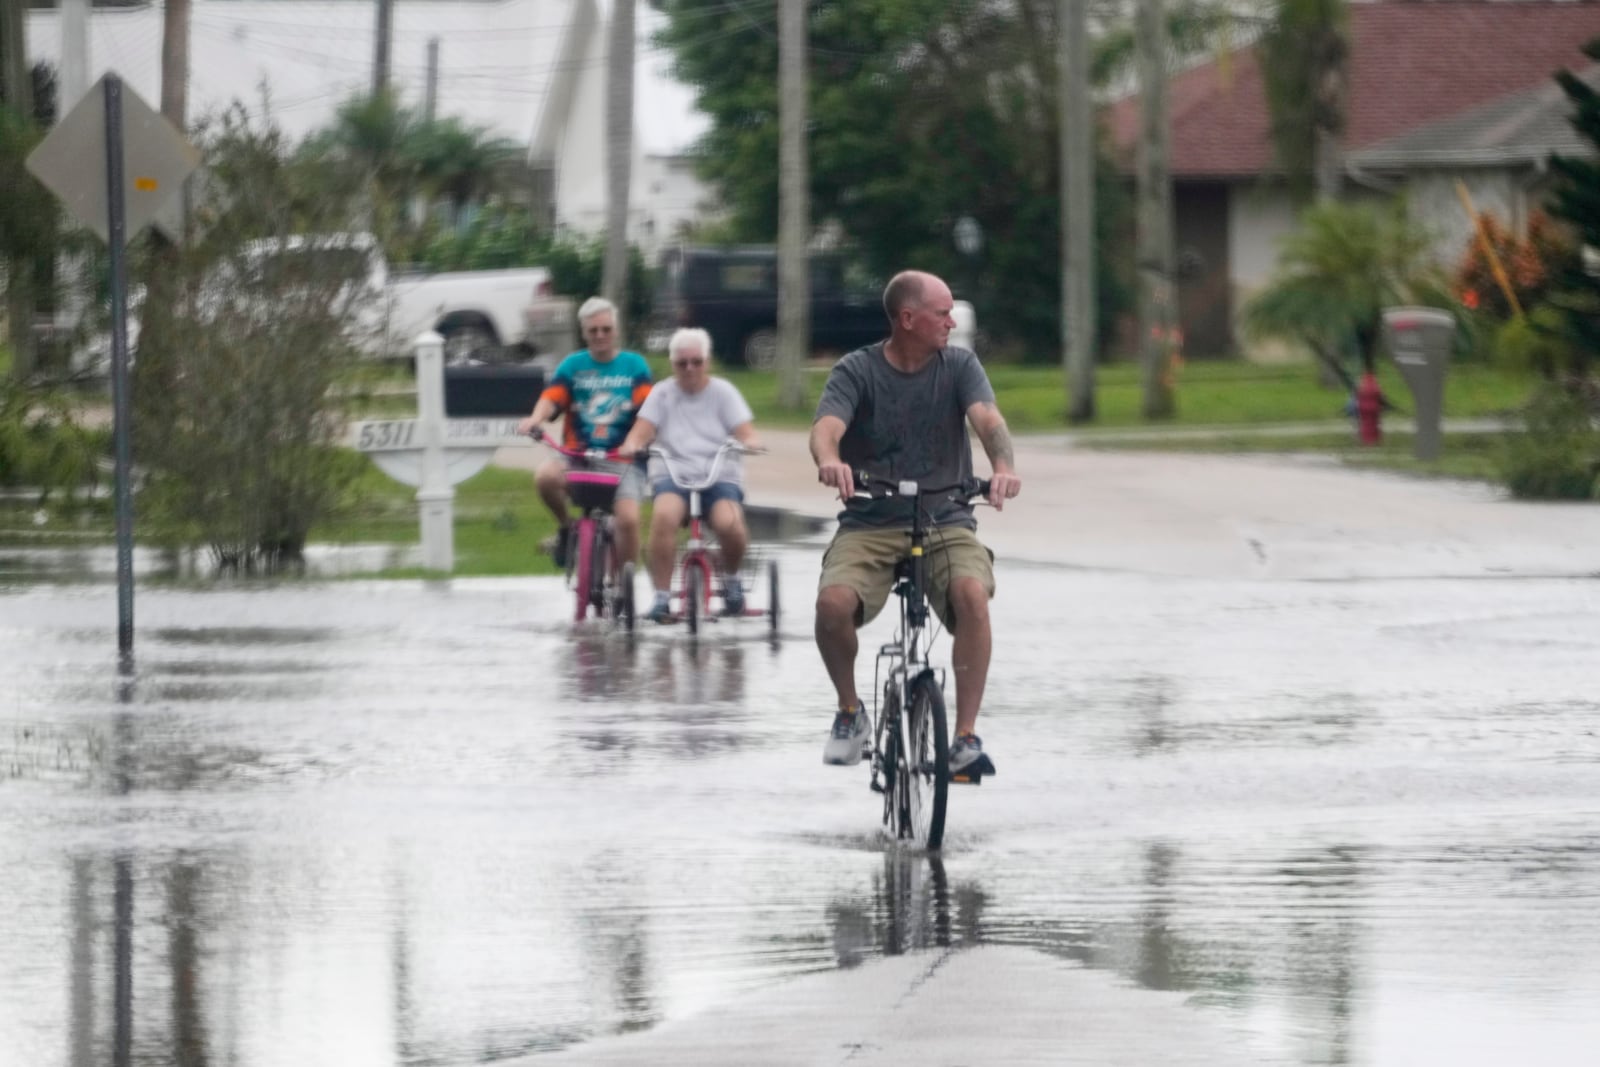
772, 598
924, 788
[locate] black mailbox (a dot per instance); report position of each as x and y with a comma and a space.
492, 389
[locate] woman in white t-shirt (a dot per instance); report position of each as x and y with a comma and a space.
690, 416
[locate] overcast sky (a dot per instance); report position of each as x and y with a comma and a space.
663, 108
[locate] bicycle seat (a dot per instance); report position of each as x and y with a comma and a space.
593, 490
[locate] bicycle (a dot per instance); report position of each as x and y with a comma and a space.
911, 740
589, 570
699, 569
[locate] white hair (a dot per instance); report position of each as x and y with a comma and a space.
594, 306
689, 337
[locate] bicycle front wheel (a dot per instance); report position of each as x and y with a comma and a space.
694, 596
599, 569
582, 546
925, 751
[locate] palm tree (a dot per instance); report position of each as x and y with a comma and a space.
1337, 273
1303, 54
462, 164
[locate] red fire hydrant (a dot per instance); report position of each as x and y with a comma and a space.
1369, 409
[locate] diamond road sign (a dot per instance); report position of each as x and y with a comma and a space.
71, 162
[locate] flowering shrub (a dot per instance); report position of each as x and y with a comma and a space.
1532, 264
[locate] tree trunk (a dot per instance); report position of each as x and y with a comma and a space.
1078, 329
794, 208
16, 82
1157, 326
619, 154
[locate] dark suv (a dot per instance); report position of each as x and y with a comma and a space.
732, 294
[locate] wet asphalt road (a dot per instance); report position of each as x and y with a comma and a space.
1326, 822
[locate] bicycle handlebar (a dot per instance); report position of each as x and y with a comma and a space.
576, 453
732, 446
871, 486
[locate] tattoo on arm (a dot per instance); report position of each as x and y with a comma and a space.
997, 438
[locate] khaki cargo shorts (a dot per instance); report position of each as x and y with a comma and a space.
863, 560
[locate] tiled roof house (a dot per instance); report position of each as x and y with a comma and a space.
1439, 91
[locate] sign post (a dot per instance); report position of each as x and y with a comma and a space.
114, 163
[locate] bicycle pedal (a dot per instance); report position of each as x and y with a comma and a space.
966, 778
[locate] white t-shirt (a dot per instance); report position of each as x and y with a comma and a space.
693, 426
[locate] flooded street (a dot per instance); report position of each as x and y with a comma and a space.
363, 823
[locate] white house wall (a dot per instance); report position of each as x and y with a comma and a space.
1433, 201
665, 195
1260, 217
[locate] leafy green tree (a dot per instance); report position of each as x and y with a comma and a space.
460, 164
1338, 271
1303, 52
1576, 201
503, 237
236, 425
921, 112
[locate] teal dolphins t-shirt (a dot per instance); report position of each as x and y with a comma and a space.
601, 400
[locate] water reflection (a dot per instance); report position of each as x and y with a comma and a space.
596, 667
912, 907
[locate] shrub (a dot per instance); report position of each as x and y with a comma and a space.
1532, 264
1556, 456
45, 448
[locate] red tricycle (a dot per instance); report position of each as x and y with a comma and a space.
698, 573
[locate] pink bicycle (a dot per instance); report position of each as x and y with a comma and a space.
698, 572
591, 558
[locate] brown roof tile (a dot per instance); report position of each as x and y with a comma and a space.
1411, 64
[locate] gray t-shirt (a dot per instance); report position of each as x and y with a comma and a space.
692, 426
903, 426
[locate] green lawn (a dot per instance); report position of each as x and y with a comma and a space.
499, 521
1208, 394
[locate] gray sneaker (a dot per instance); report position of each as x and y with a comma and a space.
850, 740
966, 756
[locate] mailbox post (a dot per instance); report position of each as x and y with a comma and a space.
1419, 339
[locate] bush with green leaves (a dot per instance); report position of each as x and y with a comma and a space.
244, 335
505, 236
46, 448
1336, 274
1556, 456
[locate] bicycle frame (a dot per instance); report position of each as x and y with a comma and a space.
910, 746
699, 572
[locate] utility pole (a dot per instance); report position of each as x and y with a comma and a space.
74, 56
380, 46
619, 153
1157, 315
430, 98
175, 64
794, 208
1078, 328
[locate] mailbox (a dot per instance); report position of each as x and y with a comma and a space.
1419, 339
492, 389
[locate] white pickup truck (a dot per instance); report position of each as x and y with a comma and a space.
485, 316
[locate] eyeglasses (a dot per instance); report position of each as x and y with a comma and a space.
598, 329
681, 363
